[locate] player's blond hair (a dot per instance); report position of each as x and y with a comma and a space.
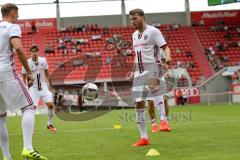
7, 8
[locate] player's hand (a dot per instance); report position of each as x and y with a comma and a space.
130, 75
29, 80
168, 60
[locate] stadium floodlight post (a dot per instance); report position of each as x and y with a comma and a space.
58, 14
124, 18
188, 13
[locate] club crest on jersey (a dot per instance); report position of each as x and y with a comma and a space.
145, 37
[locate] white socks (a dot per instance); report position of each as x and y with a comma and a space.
141, 122
28, 120
4, 143
50, 116
159, 103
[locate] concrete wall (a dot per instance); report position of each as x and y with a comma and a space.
216, 84
115, 20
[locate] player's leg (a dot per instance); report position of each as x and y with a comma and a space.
139, 95
166, 105
50, 106
151, 112
47, 98
4, 142
20, 99
155, 91
142, 124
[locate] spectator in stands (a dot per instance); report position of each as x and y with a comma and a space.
89, 54
190, 65
238, 43
95, 28
67, 38
78, 48
220, 46
60, 40
225, 28
175, 26
97, 54
96, 37
189, 53
238, 31
77, 62
224, 58
228, 36
108, 60
81, 41
49, 48
33, 25
62, 45
74, 50
79, 28
88, 28
178, 50
105, 30
84, 28
63, 29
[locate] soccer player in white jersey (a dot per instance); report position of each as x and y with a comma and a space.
13, 93
39, 69
147, 41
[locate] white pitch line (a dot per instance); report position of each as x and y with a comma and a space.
111, 129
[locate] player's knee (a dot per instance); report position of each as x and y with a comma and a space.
50, 106
140, 105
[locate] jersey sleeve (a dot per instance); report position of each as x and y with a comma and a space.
158, 38
45, 64
24, 70
14, 31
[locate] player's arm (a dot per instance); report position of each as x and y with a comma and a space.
48, 77
167, 53
17, 45
160, 42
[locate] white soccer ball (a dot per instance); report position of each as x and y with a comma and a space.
90, 91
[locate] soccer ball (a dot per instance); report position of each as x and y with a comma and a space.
90, 91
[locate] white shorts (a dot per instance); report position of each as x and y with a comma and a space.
45, 95
14, 95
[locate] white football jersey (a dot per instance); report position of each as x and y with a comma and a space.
7, 66
147, 45
38, 71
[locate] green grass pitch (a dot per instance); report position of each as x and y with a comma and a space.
213, 133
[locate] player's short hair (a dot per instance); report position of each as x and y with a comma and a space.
34, 47
138, 11
7, 8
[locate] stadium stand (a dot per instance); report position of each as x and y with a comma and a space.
98, 51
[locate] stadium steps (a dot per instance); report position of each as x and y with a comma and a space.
38, 39
198, 51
